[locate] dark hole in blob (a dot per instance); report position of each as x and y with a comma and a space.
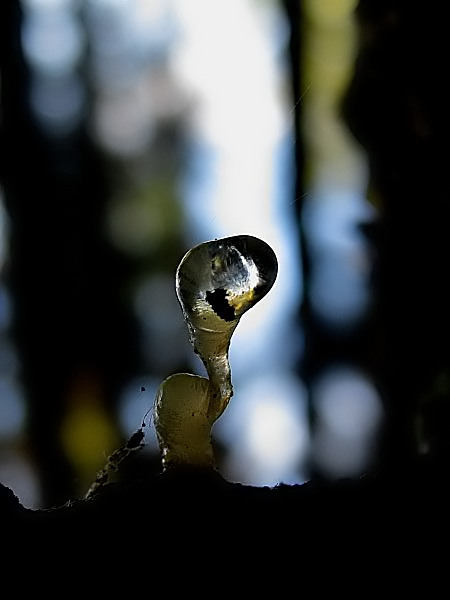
218, 302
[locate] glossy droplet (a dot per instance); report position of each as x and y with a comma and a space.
219, 280
181, 422
216, 283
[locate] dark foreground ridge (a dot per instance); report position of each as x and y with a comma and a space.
384, 529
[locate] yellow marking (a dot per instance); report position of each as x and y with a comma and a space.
241, 302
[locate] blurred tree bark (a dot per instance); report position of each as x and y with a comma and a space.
397, 107
71, 322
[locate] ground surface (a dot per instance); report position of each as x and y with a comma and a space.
187, 527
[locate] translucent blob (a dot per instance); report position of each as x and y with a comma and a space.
182, 420
216, 283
